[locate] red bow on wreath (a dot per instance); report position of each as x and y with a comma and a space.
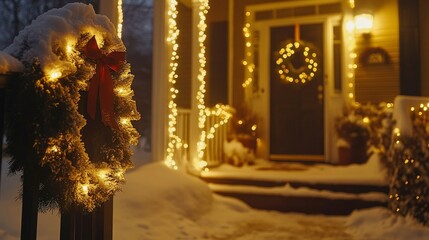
102, 83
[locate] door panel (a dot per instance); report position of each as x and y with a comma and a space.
296, 110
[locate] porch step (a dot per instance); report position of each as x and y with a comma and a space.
337, 187
301, 197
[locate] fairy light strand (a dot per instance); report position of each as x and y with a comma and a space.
351, 58
203, 7
173, 32
352, 3
120, 18
248, 64
223, 112
406, 192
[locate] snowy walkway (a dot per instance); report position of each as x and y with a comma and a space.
161, 204
370, 173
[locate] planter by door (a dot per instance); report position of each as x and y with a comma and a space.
356, 153
248, 141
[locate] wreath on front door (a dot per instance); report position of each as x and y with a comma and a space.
297, 62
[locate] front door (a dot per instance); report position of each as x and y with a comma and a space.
297, 107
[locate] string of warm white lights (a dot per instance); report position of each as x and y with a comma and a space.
203, 7
408, 186
351, 65
174, 141
352, 3
120, 18
247, 62
221, 111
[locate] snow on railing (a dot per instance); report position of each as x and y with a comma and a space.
213, 153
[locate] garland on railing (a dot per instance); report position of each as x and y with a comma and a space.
78, 151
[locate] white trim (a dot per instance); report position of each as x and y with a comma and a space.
280, 5
290, 21
194, 131
328, 85
261, 101
230, 52
109, 8
159, 132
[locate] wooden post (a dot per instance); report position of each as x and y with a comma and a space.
30, 190
103, 221
97, 225
30, 204
2, 102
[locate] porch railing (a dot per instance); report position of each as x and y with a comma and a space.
213, 154
183, 124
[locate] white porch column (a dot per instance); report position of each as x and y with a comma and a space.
194, 129
159, 82
110, 9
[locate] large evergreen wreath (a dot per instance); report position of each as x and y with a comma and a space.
78, 159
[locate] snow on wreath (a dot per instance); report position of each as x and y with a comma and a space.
69, 113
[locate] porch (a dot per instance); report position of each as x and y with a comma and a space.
287, 186
302, 187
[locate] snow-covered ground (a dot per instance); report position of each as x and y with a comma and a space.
9, 64
161, 204
320, 173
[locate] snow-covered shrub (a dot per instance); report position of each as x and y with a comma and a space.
369, 123
244, 122
409, 173
236, 154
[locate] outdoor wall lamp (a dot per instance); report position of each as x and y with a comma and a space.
363, 23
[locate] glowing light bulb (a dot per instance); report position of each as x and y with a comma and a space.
69, 49
54, 75
125, 121
54, 149
120, 18
103, 174
85, 189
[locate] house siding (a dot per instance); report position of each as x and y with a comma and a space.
379, 83
184, 71
424, 47
238, 47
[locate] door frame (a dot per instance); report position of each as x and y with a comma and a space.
259, 98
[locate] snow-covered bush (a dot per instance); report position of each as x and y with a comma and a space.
409, 173
237, 154
369, 123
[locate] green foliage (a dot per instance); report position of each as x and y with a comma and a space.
409, 174
244, 123
370, 123
49, 137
